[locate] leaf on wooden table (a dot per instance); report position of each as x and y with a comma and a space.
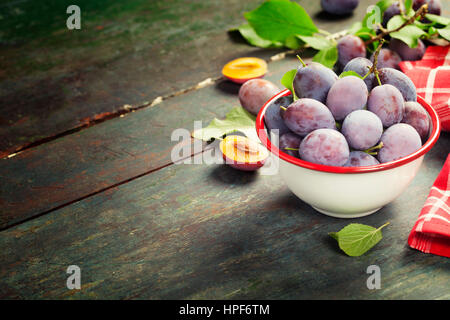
356, 239
250, 35
276, 20
237, 120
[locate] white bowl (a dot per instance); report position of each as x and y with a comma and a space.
348, 192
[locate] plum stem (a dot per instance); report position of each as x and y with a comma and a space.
372, 151
303, 63
419, 13
374, 69
283, 108
384, 225
291, 149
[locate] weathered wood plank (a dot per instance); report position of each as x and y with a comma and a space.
127, 53
210, 232
69, 168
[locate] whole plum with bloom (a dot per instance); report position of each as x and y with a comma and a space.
314, 81
387, 59
339, 7
387, 103
350, 47
361, 159
434, 6
272, 117
306, 115
361, 66
392, 10
362, 129
254, 93
399, 80
416, 116
399, 140
325, 146
292, 141
407, 53
346, 95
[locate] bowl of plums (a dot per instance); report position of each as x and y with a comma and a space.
350, 144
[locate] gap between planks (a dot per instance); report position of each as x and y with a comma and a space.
117, 184
129, 108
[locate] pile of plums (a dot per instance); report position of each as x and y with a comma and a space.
344, 121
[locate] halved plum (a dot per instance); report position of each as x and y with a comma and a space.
242, 153
243, 69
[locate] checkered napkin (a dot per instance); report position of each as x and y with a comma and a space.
431, 75
431, 232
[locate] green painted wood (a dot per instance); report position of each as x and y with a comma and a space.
211, 232
69, 168
127, 53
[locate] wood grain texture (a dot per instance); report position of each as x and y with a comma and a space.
69, 168
127, 53
211, 232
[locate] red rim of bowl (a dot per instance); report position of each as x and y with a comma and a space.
262, 134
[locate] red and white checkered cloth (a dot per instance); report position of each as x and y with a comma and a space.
431, 232
431, 75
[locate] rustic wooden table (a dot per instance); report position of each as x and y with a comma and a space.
87, 178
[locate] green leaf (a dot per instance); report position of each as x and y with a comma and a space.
276, 20
252, 38
421, 25
318, 42
356, 239
293, 42
438, 19
408, 6
238, 119
409, 34
444, 33
287, 81
327, 57
349, 73
375, 15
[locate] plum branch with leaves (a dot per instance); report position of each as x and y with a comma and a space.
282, 23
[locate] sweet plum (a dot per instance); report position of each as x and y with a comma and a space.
387, 103
392, 10
399, 140
243, 69
242, 153
314, 81
362, 129
417, 117
339, 7
254, 93
434, 6
306, 115
325, 146
399, 80
360, 159
350, 47
407, 53
387, 59
346, 95
361, 66
292, 141
272, 117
